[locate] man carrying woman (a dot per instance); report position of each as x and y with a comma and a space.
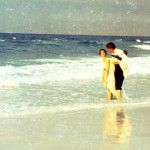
114, 70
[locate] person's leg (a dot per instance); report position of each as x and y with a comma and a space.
119, 91
119, 95
118, 82
109, 95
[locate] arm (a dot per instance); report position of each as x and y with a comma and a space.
117, 57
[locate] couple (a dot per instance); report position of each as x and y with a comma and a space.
114, 70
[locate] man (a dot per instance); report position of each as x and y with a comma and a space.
120, 60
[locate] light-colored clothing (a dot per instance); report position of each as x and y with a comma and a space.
105, 63
109, 66
123, 63
111, 78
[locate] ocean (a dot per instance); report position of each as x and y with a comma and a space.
63, 72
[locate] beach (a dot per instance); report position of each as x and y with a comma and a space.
112, 127
52, 96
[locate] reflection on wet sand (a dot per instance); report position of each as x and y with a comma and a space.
116, 125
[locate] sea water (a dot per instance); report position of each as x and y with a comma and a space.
63, 72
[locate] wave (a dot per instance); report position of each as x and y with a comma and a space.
139, 65
143, 46
58, 70
146, 42
119, 40
138, 40
47, 42
2, 40
26, 111
60, 42
14, 38
48, 73
89, 42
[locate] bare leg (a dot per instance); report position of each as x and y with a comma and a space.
109, 95
119, 95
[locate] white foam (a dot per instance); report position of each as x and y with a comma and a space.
139, 65
142, 46
47, 73
58, 70
146, 42
2, 40
14, 38
70, 108
138, 40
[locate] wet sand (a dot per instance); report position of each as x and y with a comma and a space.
115, 128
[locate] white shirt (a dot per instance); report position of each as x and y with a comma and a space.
123, 62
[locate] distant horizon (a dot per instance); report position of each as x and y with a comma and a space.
30, 33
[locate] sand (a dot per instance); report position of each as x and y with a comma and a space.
109, 128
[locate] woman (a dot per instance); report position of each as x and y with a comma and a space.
108, 74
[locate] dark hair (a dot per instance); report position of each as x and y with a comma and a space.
126, 52
103, 51
111, 45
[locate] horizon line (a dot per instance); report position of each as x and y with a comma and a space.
23, 33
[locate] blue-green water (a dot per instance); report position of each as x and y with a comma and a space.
59, 70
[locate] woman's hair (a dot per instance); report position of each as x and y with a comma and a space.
111, 45
103, 51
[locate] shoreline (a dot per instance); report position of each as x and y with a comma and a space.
34, 111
